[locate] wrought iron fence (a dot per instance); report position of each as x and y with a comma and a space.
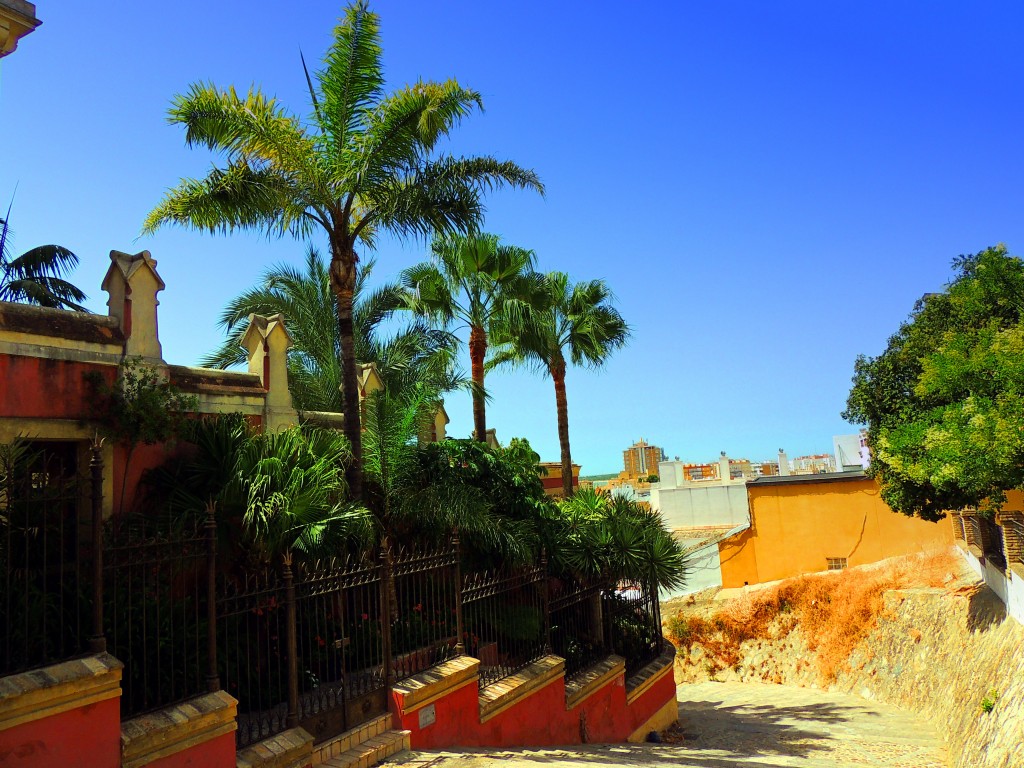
506, 619
316, 643
632, 619
340, 639
992, 541
576, 629
425, 608
252, 649
156, 607
46, 554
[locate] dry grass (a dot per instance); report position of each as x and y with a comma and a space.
833, 611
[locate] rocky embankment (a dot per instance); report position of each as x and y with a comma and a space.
948, 653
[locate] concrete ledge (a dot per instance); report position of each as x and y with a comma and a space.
290, 749
659, 721
584, 685
642, 680
496, 698
174, 729
441, 679
49, 691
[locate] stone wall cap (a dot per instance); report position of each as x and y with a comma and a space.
60, 323
58, 674
199, 379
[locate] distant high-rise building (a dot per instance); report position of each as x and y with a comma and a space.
641, 459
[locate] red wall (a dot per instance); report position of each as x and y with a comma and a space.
89, 737
540, 719
34, 387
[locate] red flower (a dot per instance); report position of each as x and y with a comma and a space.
418, 607
366, 616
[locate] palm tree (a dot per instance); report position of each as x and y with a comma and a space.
363, 162
477, 281
569, 323
305, 297
37, 276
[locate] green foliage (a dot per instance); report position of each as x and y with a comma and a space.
652, 478
361, 162
476, 281
274, 493
563, 322
305, 297
141, 407
37, 276
592, 534
988, 702
943, 403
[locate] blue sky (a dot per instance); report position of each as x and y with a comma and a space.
767, 187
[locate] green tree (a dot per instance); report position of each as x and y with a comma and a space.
37, 276
944, 403
477, 282
363, 162
594, 534
568, 323
305, 297
275, 494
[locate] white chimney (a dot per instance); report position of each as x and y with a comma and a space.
783, 463
724, 472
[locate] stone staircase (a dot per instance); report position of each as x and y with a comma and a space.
361, 747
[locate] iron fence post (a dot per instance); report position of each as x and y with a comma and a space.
545, 598
212, 676
386, 608
292, 718
460, 646
97, 641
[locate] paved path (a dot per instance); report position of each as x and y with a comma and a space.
727, 725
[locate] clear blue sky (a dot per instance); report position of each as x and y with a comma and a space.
767, 187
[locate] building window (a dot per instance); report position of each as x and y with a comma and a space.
836, 563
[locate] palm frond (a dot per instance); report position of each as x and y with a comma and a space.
351, 82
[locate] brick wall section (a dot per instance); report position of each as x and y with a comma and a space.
1013, 535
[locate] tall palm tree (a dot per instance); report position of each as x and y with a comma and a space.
305, 297
364, 161
569, 323
37, 276
478, 282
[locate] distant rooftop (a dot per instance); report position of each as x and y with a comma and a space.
822, 477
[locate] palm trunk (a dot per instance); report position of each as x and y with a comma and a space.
343, 281
561, 405
477, 350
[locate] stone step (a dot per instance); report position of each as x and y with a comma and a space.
336, 745
371, 751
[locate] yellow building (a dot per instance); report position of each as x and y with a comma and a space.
551, 477
641, 460
808, 523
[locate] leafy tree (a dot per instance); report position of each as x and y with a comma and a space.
37, 276
943, 402
362, 162
477, 282
305, 297
568, 323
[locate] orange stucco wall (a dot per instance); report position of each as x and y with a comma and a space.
797, 526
